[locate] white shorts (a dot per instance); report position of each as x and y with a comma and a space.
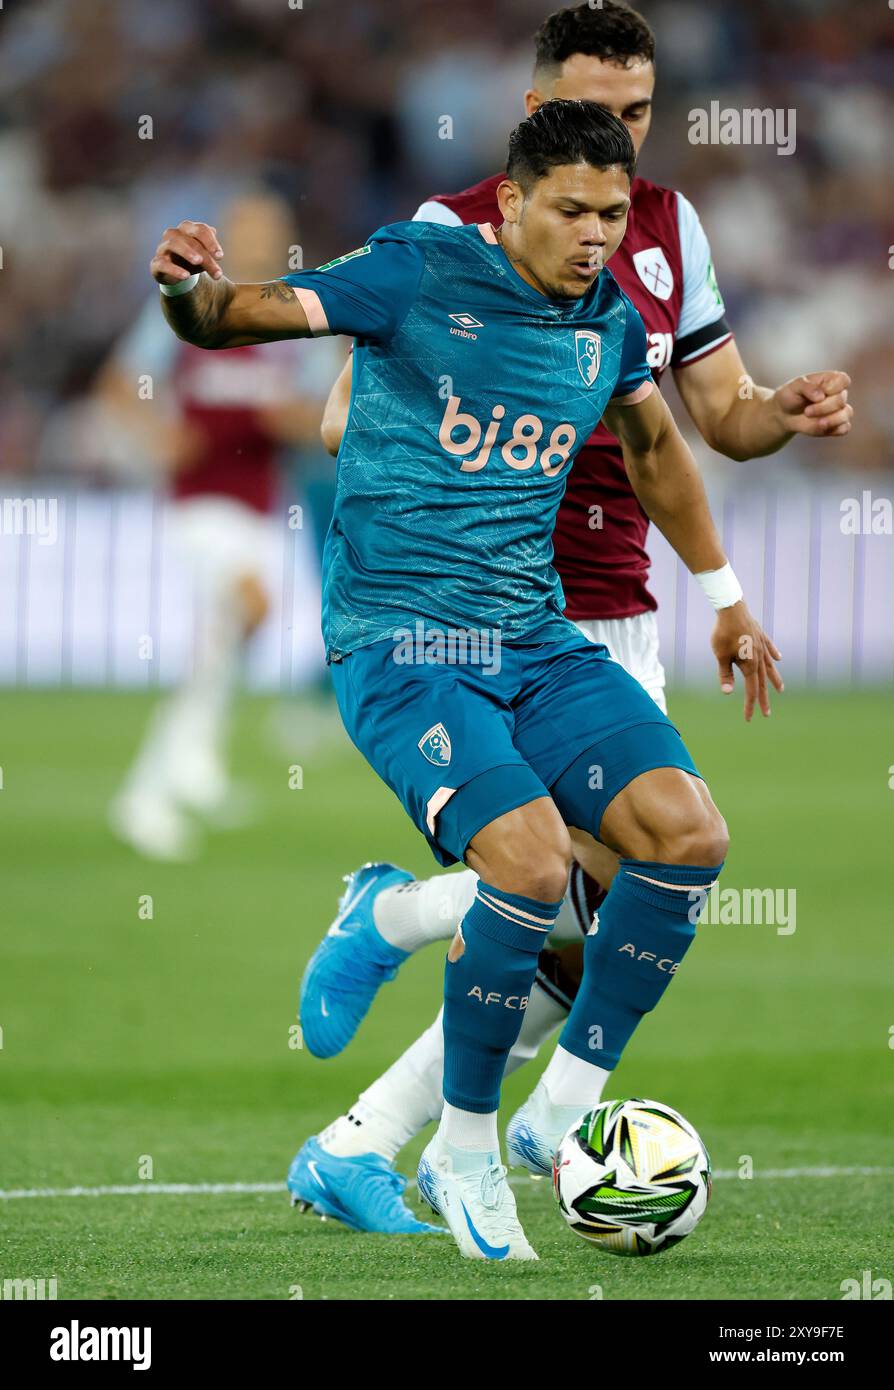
633, 643
220, 540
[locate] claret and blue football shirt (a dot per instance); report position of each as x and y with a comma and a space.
471, 394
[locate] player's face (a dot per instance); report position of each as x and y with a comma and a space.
562, 231
626, 92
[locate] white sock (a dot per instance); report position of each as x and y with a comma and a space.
465, 1129
359, 1132
400, 1103
575, 915
565, 1091
407, 1097
200, 710
571, 1083
187, 731
543, 1016
415, 914
430, 909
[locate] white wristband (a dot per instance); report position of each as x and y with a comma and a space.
721, 586
181, 287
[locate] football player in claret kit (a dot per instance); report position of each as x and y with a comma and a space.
443, 522
664, 265
220, 438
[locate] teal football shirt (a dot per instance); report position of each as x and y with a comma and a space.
471, 394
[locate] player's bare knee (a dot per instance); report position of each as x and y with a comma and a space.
526, 851
720, 840
532, 866
704, 840
542, 872
670, 818
548, 881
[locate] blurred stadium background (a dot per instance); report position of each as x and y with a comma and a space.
126, 1036
345, 129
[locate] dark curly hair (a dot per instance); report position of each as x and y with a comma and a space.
568, 132
614, 32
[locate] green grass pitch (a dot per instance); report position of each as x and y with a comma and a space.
126, 1037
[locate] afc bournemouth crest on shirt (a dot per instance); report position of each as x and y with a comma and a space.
654, 271
435, 745
588, 346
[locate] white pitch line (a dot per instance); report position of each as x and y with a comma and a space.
144, 1189
216, 1189
809, 1172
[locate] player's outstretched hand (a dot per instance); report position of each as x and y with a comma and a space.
185, 249
816, 404
737, 640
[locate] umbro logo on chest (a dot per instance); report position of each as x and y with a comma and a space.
587, 344
464, 325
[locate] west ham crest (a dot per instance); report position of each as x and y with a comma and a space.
654, 271
435, 745
588, 346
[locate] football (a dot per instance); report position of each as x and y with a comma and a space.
632, 1176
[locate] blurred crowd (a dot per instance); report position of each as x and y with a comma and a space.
119, 117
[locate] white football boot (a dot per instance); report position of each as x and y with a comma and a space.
470, 1191
535, 1131
154, 827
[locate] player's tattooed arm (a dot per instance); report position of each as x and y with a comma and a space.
219, 313
666, 479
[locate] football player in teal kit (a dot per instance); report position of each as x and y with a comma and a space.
482, 363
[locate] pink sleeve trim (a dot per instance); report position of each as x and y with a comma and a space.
313, 311
644, 389
437, 803
487, 231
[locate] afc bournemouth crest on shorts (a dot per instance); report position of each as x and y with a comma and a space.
654, 271
588, 346
435, 745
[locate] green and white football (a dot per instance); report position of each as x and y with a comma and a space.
632, 1176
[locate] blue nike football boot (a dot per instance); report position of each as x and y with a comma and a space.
364, 1192
344, 973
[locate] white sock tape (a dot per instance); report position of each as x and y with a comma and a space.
182, 287
721, 586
